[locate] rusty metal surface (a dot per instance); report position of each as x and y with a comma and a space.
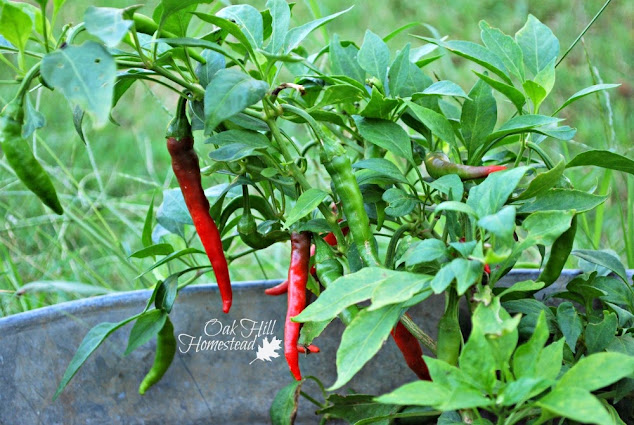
205, 387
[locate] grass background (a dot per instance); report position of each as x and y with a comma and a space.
107, 184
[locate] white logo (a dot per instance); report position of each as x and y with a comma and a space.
242, 335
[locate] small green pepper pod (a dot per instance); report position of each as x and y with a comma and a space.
165, 351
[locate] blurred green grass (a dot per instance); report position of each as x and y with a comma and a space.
107, 184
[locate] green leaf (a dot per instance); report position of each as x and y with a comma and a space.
152, 250
544, 227
362, 339
248, 19
229, 93
339, 93
457, 207
570, 323
479, 115
243, 137
543, 182
535, 92
224, 24
538, 43
343, 60
345, 291
146, 236
400, 203
425, 251
577, 404
305, 204
234, 152
311, 330
33, 119
603, 159
521, 124
467, 273
477, 361
171, 7
89, 344
374, 56
215, 62
441, 88
520, 390
395, 291
450, 185
585, 92
563, 199
382, 166
526, 355
296, 35
284, 407
404, 77
419, 393
603, 259
85, 75
513, 94
107, 24
599, 335
281, 15
500, 224
358, 409
549, 360
15, 24
597, 371
504, 47
379, 106
523, 286
475, 53
145, 328
443, 278
166, 292
437, 123
385, 134
490, 196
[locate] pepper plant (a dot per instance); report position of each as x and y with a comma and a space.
406, 184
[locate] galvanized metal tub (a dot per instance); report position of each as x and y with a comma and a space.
204, 387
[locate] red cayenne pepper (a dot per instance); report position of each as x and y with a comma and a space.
412, 352
180, 144
297, 278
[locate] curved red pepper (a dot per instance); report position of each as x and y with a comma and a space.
180, 144
297, 278
412, 352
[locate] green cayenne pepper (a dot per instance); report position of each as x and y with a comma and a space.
19, 154
449, 334
338, 166
165, 351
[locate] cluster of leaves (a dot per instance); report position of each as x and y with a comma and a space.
249, 80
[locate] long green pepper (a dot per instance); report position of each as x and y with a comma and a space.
165, 351
338, 166
20, 157
449, 334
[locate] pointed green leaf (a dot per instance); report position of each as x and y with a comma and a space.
538, 43
229, 93
362, 339
479, 115
248, 19
437, 123
374, 56
385, 134
296, 35
404, 77
306, 203
504, 47
604, 159
85, 75
513, 94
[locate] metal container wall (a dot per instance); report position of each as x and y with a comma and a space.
204, 387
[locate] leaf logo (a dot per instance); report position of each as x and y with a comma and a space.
268, 350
